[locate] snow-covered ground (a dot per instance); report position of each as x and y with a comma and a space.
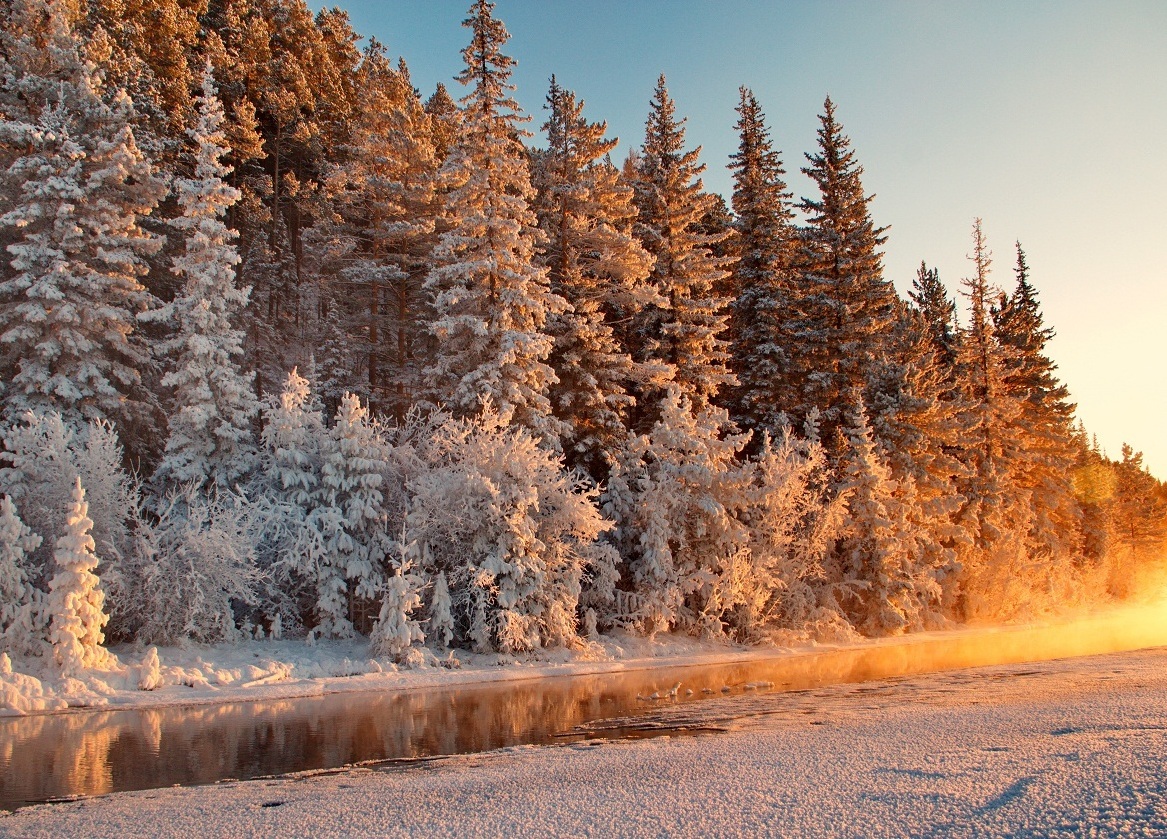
267, 670
1064, 748
284, 669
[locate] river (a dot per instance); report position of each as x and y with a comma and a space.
83, 753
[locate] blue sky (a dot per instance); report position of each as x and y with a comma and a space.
1046, 119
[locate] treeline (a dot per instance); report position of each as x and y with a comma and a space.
533, 394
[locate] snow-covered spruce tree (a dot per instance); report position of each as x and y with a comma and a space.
914, 406
22, 630
844, 307
77, 187
285, 485
199, 566
674, 494
44, 457
348, 522
514, 534
491, 300
377, 238
1138, 513
1044, 422
210, 437
441, 620
599, 268
914, 411
996, 574
937, 313
445, 121
396, 629
682, 333
888, 584
76, 601
762, 276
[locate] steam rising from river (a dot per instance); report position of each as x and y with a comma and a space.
88, 753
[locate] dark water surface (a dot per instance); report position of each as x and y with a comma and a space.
54, 756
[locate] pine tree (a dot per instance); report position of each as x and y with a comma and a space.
210, 432
445, 121
21, 610
996, 513
441, 622
1044, 423
683, 333
79, 187
937, 313
349, 519
584, 211
379, 235
490, 299
843, 307
288, 79
881, 553
148, 49
76, 601
762, 275
396, 631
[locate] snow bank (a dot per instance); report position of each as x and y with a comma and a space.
283, 669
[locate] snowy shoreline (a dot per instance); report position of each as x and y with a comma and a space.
277, 670
291, 669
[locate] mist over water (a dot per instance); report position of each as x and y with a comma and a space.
47, 757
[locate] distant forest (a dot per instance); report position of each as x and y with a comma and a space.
289, 347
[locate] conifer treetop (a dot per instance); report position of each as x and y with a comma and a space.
488, 70
839, 219
684, 334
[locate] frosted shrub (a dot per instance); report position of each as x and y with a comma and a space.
150, 671
792, 526
21, 609
715, 543
675, 494
198, 565
513, 534
44, 458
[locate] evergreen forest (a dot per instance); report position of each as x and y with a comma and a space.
289, 348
